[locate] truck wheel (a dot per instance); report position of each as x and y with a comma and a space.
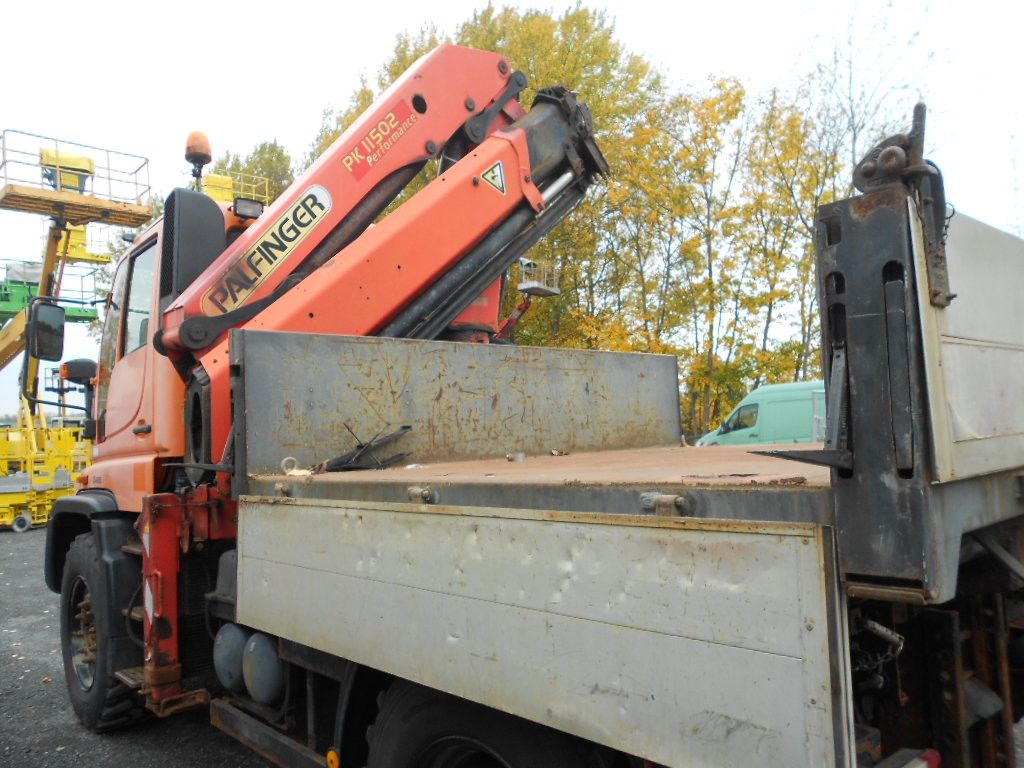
22, 523
421, 728
100, 700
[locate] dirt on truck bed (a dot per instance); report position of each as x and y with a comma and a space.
37, 725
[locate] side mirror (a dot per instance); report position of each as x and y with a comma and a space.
46, 331
81, 372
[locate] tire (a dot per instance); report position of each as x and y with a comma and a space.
421, 728
101, 701
22, 523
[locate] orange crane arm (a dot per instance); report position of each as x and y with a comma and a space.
414, 272
450, 92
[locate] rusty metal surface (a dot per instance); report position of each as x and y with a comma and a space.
721, 466
723, 482
179, 703
311, 396
948, 705
933, 417
270, 744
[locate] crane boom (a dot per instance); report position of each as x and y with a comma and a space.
449, 90
415, 271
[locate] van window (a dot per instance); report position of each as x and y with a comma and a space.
743, 417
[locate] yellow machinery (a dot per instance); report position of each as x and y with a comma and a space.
227, 187
38, 465
74, 185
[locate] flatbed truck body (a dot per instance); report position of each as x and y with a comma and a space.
548, 548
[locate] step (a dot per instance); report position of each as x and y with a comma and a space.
132, 677
132, 548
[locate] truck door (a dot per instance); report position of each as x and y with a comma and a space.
122, 365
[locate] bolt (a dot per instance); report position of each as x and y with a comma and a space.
809, 626
503, 67
431, 147
470, 105
421, 494
476, 181
526, 178
892, 159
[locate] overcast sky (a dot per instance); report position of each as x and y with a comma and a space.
139, 76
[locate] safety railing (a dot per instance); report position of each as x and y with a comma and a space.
538, 278
79, 283
46, 163
228, 185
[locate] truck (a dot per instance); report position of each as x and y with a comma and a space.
321, 508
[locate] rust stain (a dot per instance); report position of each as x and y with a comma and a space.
885, 197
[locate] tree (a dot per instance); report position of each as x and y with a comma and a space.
701, 242
268, 159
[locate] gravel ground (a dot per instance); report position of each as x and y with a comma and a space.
37, 725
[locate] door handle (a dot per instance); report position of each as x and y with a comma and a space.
145, 429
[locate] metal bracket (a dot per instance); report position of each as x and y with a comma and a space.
421, 494
229, 468
899, 159
477, 126
835, 453
663, 504
999, 552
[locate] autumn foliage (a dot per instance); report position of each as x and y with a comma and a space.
701, 243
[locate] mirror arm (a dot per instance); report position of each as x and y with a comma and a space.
39, 401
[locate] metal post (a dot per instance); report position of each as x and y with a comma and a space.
160, 529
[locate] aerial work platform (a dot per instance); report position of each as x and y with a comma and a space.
73, 183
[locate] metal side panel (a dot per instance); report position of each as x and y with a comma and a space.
687, 642
974, 350
307, 395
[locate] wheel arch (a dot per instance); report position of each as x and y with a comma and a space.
72, 516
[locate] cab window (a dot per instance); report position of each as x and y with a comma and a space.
743, 417
108, 342
140, 296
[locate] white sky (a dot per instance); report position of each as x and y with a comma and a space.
138, 76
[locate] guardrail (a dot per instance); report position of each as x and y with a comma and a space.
47, 163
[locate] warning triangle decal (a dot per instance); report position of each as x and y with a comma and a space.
495, 176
